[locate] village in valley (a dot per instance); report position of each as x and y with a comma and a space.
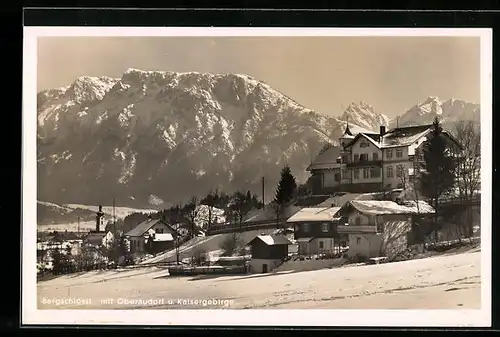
377, 198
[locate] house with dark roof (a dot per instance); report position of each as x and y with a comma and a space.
371, 162
315, 230
150, 231
268, 252
380, 227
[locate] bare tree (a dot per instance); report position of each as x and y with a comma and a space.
191, 212
468, 170
392, 238
211, 201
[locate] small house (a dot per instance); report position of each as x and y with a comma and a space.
94, 239
315, 230
137, 236
160, 242
379, 227
268, 252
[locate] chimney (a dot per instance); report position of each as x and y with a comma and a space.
382, 130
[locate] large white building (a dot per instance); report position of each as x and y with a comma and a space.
370, 162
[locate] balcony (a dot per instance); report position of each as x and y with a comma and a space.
347, 229
364, 162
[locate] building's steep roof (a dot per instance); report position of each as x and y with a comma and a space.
405, 136
95, 238
371, 137
382, 207
144, 226
272, 240
326, 160
314, 214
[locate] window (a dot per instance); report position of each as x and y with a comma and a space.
375, 172
358, 240
366, 173
356, 173
400, 186
389, 154
399, 170
390, 172
364, 157
339, 160
337, 177
305, 227
356, 157
159, 230
364, 144
325, 227
357, 221
321, 245
344, 158
345, 174
399, 153
375, 156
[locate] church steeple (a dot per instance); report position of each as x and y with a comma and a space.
347, 131
347, 136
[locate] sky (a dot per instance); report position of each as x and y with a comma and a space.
326, 74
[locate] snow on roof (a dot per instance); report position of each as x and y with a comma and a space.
272, 240
314, 214
380, 207
144, 226
304, 239
371, 137
162, 237
405, 136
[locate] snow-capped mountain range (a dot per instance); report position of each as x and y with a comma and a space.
153, 137
449, 111
363, 115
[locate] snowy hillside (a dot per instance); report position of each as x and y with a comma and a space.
52, 216
155, 138
119, 212
449, 111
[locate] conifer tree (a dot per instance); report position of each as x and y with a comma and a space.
438, 175
285, 191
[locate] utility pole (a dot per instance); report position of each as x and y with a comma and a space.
78, 226
177, 248
263, 189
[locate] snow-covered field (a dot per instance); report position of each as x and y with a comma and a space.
120, 212
444, 282
70, 227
